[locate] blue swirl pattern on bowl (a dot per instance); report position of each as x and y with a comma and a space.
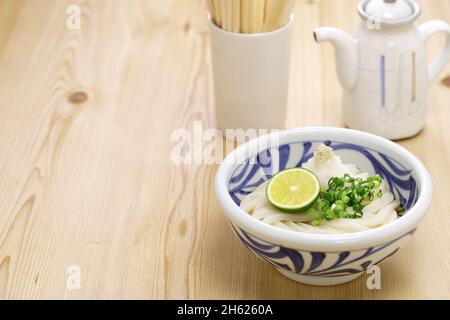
321, 264
263, 166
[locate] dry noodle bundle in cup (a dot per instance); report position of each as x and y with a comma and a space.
250, 48
250, 16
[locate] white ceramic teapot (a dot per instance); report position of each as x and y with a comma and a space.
383, 68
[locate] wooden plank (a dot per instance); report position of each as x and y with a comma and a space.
86, 119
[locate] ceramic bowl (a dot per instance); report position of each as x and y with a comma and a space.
319, 259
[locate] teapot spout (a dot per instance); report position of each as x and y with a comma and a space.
346, 54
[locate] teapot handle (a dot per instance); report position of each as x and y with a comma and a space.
427, 30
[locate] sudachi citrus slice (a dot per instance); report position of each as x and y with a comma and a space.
293, 190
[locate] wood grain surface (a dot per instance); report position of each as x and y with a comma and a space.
86, 118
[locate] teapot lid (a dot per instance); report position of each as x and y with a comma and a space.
389, 13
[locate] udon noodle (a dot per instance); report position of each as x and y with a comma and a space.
325, 164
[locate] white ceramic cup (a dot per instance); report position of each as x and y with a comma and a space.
251, 77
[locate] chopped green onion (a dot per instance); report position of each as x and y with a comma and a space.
346, 197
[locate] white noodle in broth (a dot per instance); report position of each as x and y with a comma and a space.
378, 212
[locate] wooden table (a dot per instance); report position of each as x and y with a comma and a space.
87, 188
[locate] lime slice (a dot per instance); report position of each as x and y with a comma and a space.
293, 190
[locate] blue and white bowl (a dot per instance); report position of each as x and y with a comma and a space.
320, 259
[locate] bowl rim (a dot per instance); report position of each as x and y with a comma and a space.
323, 242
